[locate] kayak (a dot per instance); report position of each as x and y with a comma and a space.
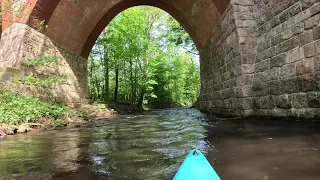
196, 167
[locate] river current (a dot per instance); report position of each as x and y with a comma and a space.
152, 146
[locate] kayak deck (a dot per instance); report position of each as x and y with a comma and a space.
196, 167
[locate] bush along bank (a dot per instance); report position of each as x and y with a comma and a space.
22, 111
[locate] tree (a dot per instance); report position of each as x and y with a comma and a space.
135, 57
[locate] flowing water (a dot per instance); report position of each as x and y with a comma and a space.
152, 145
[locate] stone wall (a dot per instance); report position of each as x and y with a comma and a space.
227, 62
20, 44
271, 66
287, 80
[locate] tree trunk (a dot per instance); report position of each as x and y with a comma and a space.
117, 85
106, 75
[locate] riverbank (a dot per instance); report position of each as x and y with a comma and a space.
21, 113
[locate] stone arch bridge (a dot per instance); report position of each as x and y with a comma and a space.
257, 57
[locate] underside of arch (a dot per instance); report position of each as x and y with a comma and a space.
76, 24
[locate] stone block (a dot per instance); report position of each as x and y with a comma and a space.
288, 70
278, 61
313, 99
275, 73
291, 85
277, 39
305, 66
302, 16
247, 58
317, 63
317, 44
247, 103
287, 45
283, 101
264, 45
261, 77
294, 55
316, 33
276, 87
275, 21
294, 10
312, 22
262, 66
248, 68
309, 50
260, 89
244, 79
244, 92
317, 81
298, 28
267, 102
268, 53
299, 100
306, 3
284, 16
306, 37
315, 9
306, 83
287, 34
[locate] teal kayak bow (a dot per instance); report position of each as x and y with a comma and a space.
196, 167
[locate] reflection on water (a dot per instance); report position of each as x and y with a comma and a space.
153, 145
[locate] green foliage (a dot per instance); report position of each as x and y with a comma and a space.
44, 82
154, 58
43, 60
16, 108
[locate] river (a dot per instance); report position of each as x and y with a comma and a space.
152, 145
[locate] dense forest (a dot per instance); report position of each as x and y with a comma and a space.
146, 59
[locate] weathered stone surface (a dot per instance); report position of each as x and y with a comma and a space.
287, 45
267, 102
264, 45
298, 28
294, 10
315, 9
276, 87
288, 70
275, 73
262, 66
299, 100
276, 40
312, 22
268, 53
278, 61
294, 55
306, 37
317, 63
317, 44
309, 50
291, 85
260, 89
313, 100
284, 16
306, 83
248, 68
316, 33
305, 66
283, 101
306, 3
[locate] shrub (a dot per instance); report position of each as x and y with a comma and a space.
16, 108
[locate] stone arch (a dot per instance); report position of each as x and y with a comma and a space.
76, 24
